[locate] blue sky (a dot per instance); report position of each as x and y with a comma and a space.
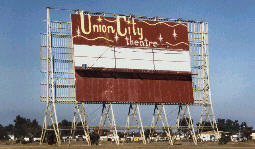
231, 43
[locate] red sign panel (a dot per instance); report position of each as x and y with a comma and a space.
109, 85
127, 32
121, 81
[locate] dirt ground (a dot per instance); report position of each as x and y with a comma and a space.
239, 145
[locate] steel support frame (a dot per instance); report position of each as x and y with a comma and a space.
80, 115
108, 114
197, 30
207, 115
132, 116
50, 116
50, 111
207, 112
157, 114
184, 114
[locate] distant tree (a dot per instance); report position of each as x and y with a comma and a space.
10, 129
205, 126
184, 123
104, 132
51, 137
25, 128
94, 136
246, 131
20, 127
164, 132
149, 132
234, 127
228, 125
221, 124
121, 134
65, 124
34, 129
224, 139
3, 133
79, 130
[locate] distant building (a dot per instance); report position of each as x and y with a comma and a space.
65, 138
136, 139
179, 137
237, 137
253, 135
11, 137
36, 139
103, 138
209, 136
26, 139
111, 137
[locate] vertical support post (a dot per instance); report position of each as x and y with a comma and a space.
186, 119
167, 129
45, 124
50, 105
114, 125
152, 121
163, 120
133, 112
207, 112
127, 122
141, 124
191, 126
80, 109
105, 114
101, 124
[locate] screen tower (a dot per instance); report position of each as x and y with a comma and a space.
105, 58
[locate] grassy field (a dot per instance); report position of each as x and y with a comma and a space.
131, 146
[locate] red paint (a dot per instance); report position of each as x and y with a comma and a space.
132, 32
109, 89
99, 85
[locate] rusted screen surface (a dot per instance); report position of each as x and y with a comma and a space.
104, 85
117, 70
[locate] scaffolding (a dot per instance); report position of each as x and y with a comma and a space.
58, 76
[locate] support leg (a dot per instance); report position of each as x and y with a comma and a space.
152, 128
127, 129
80, 109
133, 112
50, 108
108, 114
191, 127
164, 121
167, 129
141, 124
207, 116
114, 125
185, 122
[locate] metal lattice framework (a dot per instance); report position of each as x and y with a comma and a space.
58, 67
57, 64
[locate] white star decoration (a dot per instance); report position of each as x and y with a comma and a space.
116, 37
160, 38
174, 34
78, 32
99, 19
126, 38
